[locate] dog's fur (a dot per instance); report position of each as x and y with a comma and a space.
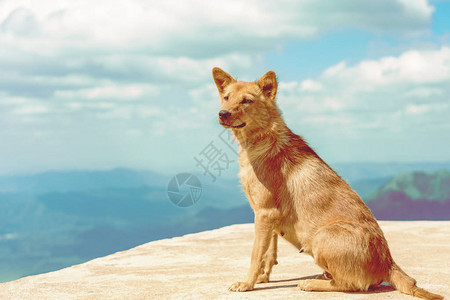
296, 195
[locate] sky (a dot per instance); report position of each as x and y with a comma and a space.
101, 84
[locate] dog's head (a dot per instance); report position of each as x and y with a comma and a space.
249, 105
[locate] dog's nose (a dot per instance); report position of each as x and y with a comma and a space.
224, 114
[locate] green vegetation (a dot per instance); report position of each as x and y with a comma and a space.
419, 186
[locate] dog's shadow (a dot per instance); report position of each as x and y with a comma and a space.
283, 286
382, 288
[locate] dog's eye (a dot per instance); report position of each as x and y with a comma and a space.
246, 101
225, 98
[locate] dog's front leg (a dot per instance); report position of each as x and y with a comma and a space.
270, 259
264, 225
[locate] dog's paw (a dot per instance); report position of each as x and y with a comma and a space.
240, 287
305, 285
262, 278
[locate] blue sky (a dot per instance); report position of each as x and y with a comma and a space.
95, 85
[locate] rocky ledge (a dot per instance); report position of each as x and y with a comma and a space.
203, 265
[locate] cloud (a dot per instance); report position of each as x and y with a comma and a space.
410, 67
391, 93
310, 85
9, 236
418, 109
31, 109
81, 45
85, 32
81, 79
159, 23
423, 92
109, 92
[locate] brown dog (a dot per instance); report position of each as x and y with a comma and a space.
295, 194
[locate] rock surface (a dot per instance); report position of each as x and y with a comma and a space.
203, 265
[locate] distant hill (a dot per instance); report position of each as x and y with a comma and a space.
365, 170
413, 196
366, 177
419, 185
366, 186
71, 181
56, 219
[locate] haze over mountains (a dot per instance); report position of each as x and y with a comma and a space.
56, 219
413, 196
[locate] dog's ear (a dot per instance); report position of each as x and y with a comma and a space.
222, 79
268, 85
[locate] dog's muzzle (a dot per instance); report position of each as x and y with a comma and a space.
224, 114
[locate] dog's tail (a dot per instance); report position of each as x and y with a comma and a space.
407, 285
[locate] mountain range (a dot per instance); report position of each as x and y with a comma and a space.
56, 219
413, 196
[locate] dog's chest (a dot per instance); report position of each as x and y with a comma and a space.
251, 185
259, 186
